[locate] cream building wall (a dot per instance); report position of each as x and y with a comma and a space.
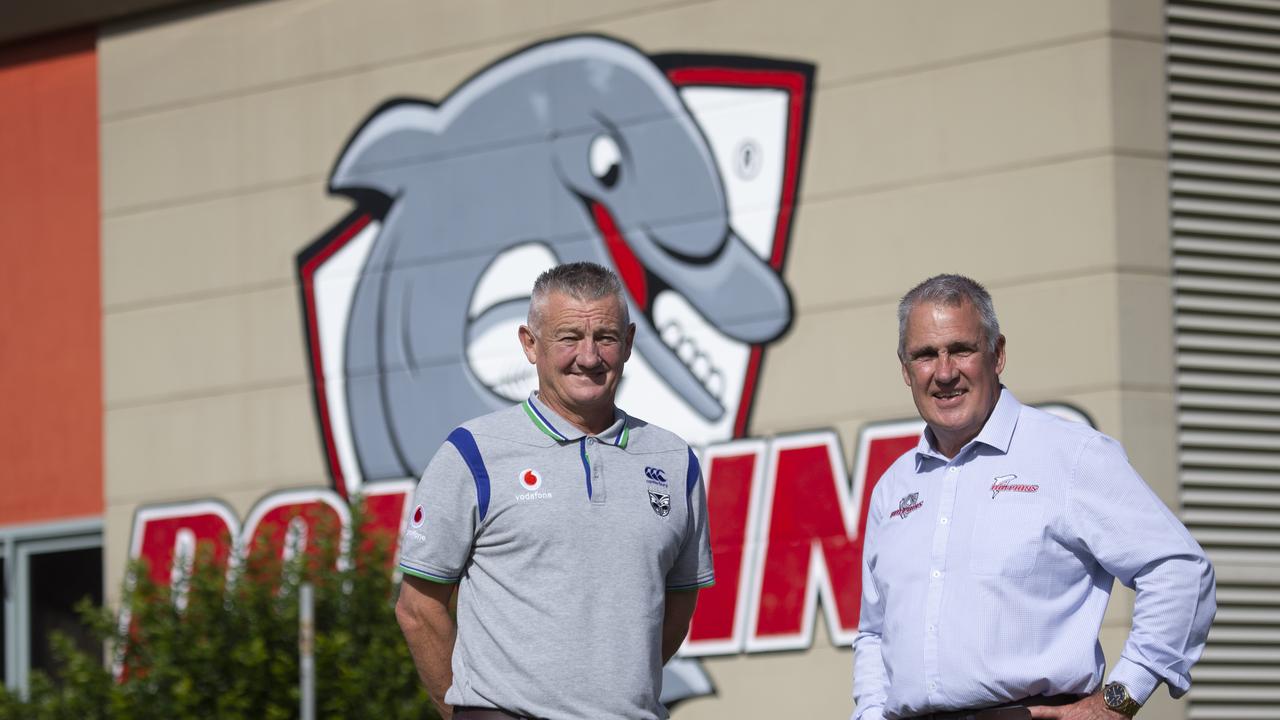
1020, 142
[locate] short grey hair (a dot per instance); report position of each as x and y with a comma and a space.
952, 291
584, 281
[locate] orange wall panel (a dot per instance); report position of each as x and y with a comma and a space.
50, 297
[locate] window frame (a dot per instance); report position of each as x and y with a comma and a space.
17, 544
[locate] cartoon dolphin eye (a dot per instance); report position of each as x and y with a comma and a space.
605, 160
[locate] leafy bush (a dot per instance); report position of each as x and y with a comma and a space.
227, 647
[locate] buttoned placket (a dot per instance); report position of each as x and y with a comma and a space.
938, 577
595, 460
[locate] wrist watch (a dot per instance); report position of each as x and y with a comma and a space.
1118, 699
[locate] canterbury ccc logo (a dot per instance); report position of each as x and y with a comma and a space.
655, 474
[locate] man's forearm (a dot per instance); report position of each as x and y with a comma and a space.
429, 631
678, 611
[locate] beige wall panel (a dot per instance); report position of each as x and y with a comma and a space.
1043, 221
189, 57
282, 439
866, 38
1144, 309
170, 350
181, 450
230, 244
248, 442
1138, 94
116, 535
1037, 106
288, 136
269, 44
204, 346
1044, 105
817, 683
1141, 202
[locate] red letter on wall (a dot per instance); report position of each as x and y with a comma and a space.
732, 473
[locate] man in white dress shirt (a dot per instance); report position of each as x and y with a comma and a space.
992, 547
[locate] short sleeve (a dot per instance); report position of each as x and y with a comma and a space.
693, 568
443, 519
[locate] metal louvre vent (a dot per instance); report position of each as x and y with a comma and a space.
1224, 123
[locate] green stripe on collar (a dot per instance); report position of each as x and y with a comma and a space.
537, 421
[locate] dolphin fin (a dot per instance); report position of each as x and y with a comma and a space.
391, 143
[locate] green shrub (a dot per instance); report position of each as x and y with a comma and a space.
230, 649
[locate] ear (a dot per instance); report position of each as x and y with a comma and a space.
631, 338
528, 344
999, 355
906, 374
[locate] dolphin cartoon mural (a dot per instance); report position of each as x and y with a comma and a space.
680, 172
580, 148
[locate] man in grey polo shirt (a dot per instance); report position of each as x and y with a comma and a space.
575, 534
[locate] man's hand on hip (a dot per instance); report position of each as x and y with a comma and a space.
1090, 708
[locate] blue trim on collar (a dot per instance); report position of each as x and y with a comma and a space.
462, 439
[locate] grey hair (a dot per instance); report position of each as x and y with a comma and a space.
580, 280
952, 291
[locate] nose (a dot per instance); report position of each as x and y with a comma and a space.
945, 370
588, 354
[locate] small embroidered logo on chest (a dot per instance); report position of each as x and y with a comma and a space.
660, 502
907, 505
530, 479
1005, 483
655, 476
419, 516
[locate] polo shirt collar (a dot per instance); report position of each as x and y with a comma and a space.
997, 433
561, 430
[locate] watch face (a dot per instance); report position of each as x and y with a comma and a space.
1114, 694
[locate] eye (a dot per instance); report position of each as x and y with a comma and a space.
605, 160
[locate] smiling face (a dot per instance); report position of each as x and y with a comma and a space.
953, 376
579, 348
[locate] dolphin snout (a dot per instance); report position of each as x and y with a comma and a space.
732, 287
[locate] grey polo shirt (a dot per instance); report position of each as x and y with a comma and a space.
564, 545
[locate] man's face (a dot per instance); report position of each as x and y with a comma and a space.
954, 379
579, 348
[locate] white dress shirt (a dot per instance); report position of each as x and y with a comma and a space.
985, 576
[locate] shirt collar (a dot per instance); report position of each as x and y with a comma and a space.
997, 433
561, 430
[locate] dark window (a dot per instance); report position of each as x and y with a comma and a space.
4, 636
58, 581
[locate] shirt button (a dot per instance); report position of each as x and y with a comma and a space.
953, 469
933, 686
936, 574
932, 628
591, 441
943, 520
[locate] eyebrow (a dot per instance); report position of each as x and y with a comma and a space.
957, 346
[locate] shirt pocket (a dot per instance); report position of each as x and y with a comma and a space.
1008, 533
